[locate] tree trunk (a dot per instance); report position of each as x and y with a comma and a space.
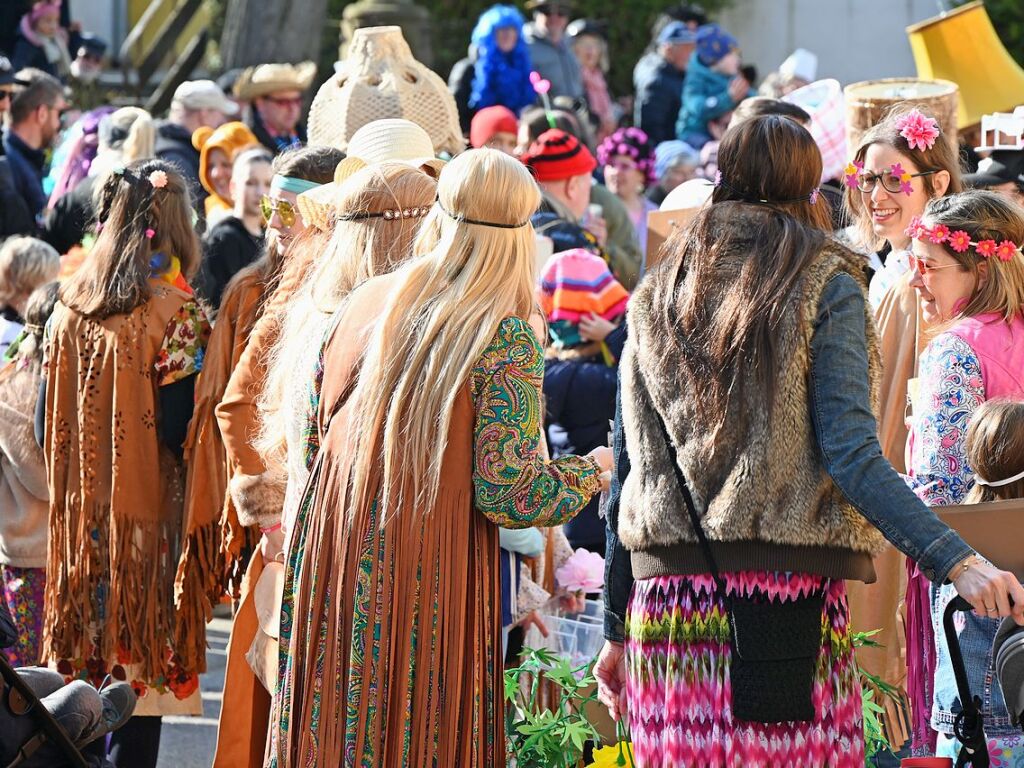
262, 31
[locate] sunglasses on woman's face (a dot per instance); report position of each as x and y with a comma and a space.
284, 210
924, 267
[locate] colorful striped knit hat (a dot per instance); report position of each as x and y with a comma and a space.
573, 284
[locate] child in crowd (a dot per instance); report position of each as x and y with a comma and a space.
23, 494
41, 42
713, 85
496, 127
995, 451
236, 240
584, 305
25, 264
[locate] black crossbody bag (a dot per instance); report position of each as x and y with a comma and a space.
775, 645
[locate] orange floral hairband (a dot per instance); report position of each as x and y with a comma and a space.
960, 241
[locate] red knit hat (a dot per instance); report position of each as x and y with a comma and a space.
557, 155
489, 121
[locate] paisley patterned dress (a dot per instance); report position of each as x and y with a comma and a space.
390, 633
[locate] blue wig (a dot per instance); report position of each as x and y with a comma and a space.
500, 78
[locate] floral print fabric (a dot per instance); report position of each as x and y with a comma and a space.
678, 654
514, 485
184, 345
950, 390
23, 590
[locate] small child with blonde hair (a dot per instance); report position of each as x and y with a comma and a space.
995, 452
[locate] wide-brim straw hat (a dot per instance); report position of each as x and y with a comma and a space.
389, 140
264, 79
379, 78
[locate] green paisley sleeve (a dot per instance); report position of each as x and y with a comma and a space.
514, 485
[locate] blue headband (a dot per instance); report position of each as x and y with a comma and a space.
291, 184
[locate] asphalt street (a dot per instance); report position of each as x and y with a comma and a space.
188, 742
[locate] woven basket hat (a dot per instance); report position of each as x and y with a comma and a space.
381, 79
379, 141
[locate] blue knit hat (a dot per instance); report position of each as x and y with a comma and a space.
713, 43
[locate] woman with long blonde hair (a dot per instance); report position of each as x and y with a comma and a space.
376, 215
430, 416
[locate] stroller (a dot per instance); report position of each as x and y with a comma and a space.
969, 727
22, 701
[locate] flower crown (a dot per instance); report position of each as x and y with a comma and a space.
919, 130
960, 241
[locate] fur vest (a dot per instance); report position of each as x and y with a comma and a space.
760, 485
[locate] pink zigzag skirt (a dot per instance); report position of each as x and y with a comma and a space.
677, 663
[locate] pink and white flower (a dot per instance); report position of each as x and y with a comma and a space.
582, 572
919, 130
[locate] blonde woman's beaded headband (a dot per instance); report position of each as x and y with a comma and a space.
388, 215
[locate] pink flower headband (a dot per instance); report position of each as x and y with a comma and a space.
960, 241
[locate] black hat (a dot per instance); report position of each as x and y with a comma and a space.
587, 27
6, 72
1001, 167
92, 45
543, 5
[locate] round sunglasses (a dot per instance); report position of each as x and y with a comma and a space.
284, 210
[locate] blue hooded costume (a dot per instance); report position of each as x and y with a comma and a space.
498, 77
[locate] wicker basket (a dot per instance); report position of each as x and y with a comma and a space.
868, 102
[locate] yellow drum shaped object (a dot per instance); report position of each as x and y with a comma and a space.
962, 46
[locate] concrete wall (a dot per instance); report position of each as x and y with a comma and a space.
854, 39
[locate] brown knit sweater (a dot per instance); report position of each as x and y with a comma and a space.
766, 500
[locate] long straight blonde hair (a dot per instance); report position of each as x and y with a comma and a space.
440, 317
358, 249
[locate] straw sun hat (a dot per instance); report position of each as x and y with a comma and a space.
390, 140
379, 78
265, 79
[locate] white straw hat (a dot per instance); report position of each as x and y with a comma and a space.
379, 78
381, 141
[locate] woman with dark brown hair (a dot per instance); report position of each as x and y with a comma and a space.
752, 483
124, 346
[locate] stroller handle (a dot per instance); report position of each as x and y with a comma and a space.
969, 727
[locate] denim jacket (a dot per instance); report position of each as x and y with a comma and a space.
975, 635
847, 434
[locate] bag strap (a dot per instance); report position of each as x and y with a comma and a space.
705, 545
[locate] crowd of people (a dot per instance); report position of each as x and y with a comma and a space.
370, 395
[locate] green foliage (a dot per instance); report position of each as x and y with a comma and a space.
539, 737
1008, 19
875, 739
629, 30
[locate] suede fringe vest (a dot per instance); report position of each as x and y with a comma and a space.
766, 500
116, 492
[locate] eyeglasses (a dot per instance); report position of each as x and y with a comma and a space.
5, 95
891, 182
285, 101
284, 210
924, 268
